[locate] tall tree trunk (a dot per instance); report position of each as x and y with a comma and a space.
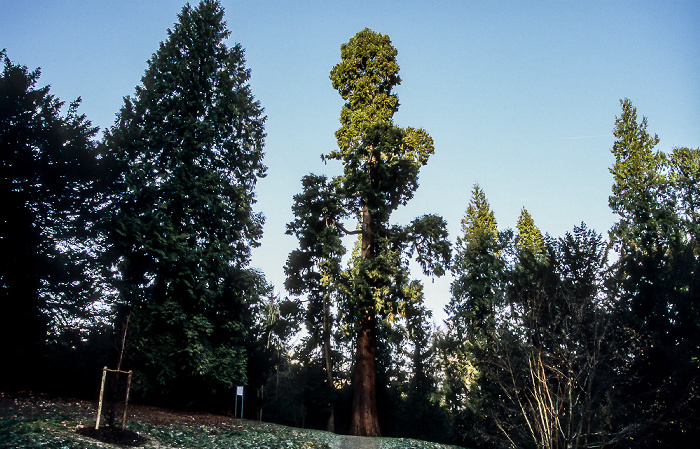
365, 420
330, 426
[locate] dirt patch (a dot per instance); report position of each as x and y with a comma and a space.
69, 412
113, 436
36, 405
162, 416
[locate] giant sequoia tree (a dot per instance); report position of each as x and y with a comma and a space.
380, 172
188, 148
47, 167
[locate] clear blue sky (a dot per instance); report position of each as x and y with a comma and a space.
519, 96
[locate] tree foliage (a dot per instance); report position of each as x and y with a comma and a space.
544, 375
546, 344
477, 291
478, 265
654, 195
380, 172
49, 168
381, 162
639, 181
188, 151
315, 269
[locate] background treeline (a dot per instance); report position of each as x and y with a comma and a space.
132, 250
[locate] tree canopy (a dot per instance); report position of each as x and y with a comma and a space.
48, 170
381, 162
188, 153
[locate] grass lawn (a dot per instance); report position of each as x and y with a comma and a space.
33, 421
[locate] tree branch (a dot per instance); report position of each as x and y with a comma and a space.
341, 227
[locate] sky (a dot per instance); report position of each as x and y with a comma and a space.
519, 96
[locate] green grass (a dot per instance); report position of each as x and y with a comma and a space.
49, 433
56, 433
246, 435
42, 427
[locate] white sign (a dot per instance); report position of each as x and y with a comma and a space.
239, 392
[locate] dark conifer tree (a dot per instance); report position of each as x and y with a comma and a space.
655, 196
47, 171
314, 270
188, 153
479, 267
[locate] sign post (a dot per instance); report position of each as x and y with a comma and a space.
239, 392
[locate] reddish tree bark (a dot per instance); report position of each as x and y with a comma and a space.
365, 421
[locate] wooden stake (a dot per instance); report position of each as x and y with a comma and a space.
102, 392
126, 401
121, 352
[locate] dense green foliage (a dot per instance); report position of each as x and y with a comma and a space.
478, 264
48, 172
314, 270
187, 151
655, 196
477, 294
548, 345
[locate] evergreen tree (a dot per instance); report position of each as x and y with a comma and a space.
477, 295
655, 197
188, 151
478, 266
639, 180
380, 172
48, 171
532, 283
529, 238
314, 269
